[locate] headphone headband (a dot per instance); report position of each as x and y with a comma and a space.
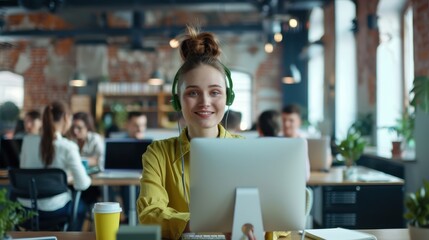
230, 95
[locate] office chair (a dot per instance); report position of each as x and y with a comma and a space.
43, 183
308, 207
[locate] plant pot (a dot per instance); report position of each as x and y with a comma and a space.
396, 148
350, 173
418, 233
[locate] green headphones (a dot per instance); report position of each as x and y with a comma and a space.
230, 95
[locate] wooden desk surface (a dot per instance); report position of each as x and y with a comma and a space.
335, 177
381, 234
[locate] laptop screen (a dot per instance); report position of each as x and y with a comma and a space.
125, 153
9, 153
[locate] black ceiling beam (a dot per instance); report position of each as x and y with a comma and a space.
103, 5
148, 31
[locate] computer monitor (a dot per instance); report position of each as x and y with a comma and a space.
9, 153
125, 153
275, 167
319, 153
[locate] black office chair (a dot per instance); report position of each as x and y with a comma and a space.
34, 184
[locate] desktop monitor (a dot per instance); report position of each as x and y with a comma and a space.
9, 153
319, 153
125, 153
273, 166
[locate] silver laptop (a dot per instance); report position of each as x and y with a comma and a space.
319, 153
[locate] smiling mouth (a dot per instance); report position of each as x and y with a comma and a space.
204, 113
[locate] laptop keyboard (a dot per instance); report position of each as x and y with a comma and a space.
195, 236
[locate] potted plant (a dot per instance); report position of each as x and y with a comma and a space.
364, 124
417, 205
404, 130
351, 148
11, 214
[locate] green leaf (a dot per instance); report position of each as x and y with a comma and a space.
421, 93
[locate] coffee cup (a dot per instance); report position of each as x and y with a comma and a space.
106, 219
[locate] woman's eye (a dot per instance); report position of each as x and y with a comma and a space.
216, 93
193, 93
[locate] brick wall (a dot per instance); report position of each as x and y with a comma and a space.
367, 41
421, 36
54, 61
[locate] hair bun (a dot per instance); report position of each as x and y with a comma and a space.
199, 45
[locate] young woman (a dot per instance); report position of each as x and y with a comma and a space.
90, 143
201, 95
52, 150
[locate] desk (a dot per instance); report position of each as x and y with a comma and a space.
381, 234
357, 204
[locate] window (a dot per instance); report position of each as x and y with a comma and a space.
243, 97
345, 69
315, 68
11, 88
389, 72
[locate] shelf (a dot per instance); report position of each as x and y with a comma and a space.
155, 105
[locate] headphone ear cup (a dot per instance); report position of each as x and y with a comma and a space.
230, 95
176, 103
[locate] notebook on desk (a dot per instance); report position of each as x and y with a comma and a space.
337, 234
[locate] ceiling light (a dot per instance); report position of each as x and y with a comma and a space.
174, 43
292, 75
78, 80
278, 37
155, 78
269, 47
293, 23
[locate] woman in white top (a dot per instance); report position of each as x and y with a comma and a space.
90, 143
52, 150
91, 148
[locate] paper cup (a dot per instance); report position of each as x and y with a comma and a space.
106, 219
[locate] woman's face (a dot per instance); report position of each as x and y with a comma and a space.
32, 126
79, 129
203, 98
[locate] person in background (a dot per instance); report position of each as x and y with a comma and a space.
201, 96
231, 120
33, 122
136, 125
90, 143
269, 124
52, 150
291, 118
91, 149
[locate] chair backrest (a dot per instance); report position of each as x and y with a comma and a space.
40, 183
48, 182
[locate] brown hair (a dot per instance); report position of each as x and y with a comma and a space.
197, 49
292, 108
53, 113
86, 119
33, 114
269, 123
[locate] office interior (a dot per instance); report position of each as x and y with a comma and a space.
342, 61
